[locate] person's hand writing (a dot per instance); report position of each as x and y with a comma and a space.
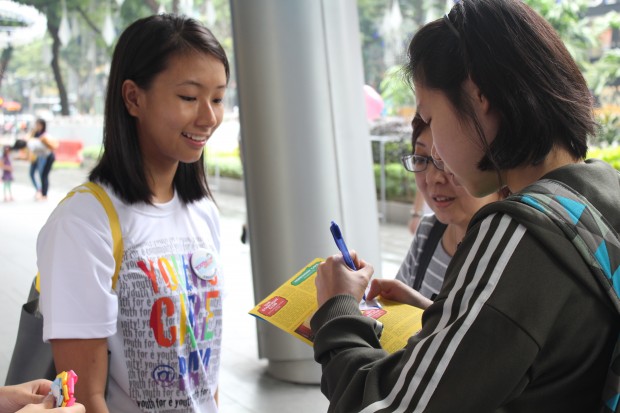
334, 277
398, 291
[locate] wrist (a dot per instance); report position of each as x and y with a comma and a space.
416, 214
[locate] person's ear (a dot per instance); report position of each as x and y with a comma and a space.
479, 100
131, 96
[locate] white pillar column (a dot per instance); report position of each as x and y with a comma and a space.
306, 149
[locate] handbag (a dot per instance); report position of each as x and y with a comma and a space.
32, 357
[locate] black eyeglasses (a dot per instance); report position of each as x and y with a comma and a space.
419, 163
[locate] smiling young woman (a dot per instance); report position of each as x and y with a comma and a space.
452, 206
161, 320
176, 115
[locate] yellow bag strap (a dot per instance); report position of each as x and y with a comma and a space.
115, 227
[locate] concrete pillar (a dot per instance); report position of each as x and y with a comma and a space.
306, 149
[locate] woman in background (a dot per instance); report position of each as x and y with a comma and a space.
440, 233
41, 147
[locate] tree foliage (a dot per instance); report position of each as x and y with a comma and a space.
388, 80
82, 63
581, 32
582, 36
87, 54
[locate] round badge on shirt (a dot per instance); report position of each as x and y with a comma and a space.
204, 264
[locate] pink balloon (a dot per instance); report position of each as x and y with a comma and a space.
374, 103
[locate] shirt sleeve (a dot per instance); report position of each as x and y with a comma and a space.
446, 366
76, 265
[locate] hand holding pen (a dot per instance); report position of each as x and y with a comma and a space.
335, 276
339, 240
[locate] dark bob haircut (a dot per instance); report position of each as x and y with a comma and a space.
143, 51
522, 67
43, 124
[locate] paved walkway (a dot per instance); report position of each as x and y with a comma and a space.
245, 387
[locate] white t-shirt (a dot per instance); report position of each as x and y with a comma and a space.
163, 323
36, 146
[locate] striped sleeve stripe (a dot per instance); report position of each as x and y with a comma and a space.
382, 404
451, 329
475, 304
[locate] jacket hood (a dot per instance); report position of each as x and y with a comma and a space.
595, 180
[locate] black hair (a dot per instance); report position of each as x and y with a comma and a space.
418, 125
43, 124
520, 65
143, 51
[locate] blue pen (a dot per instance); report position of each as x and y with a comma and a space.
341, 245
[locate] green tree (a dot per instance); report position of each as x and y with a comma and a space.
388, 80
395, 90
5, 57
370, 12
601, 68
582, 36
88, 16
52, 9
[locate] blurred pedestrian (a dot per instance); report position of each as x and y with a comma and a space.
45, 158
7, 174
42, 147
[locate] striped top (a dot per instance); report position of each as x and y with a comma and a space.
436, 270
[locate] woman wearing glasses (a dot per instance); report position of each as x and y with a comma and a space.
438, 234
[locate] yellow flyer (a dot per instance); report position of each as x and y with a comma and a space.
291, 306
